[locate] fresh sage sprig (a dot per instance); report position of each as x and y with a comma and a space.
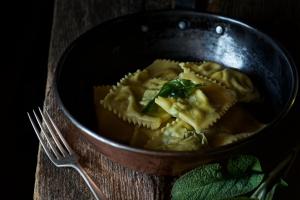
239, 176
234, 181
178, 88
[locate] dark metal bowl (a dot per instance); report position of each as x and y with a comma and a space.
104, 54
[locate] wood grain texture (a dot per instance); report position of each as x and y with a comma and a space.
72, 18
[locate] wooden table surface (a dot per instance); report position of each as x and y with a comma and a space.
72, 18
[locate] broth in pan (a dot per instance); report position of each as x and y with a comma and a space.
178, 106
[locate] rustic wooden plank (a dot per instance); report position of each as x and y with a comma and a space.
72, 18
158, 4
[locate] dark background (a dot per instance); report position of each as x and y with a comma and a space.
24, 80
28, 29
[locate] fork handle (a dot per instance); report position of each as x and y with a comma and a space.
98, 194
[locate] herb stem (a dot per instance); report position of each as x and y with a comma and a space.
273, 177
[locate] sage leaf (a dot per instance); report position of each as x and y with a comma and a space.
241, 164
178, 88
210, 182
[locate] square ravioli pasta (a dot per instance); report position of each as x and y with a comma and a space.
128, 97
171, 106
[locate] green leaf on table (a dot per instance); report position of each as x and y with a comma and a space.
210, 182
239, 165
178, 88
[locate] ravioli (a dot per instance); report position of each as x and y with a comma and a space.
203, 108
176, 136
164, 69
231, 78
108, 123
204, 68
177, 106
239, 82
195, 110
123, 100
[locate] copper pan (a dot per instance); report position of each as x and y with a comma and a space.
102, 55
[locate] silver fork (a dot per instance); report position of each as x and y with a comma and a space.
58, 150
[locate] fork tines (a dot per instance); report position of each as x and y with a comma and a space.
50, 136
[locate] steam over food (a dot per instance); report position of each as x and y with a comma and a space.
178, 106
